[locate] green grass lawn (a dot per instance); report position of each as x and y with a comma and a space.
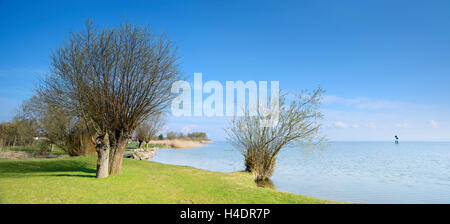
59, 151
72, 180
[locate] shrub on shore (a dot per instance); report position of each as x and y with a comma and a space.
260, 145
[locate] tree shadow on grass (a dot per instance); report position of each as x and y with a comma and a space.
48, 166
68, 175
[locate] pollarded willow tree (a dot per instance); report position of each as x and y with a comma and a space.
298, 121
114, 79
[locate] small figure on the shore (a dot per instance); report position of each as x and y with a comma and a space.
396, 139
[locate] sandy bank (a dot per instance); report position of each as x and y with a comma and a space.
180, 143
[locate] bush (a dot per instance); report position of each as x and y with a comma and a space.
42, 147
197, 136
171, 135
296, 121
78, 143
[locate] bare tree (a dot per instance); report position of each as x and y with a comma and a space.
260, 145
18, 132
58, 126
114, 79
148, 129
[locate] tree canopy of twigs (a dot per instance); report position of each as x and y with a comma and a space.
298, 122
114, 79
148, 129
57, 126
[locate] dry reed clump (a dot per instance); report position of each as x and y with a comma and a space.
78, 144
178, 143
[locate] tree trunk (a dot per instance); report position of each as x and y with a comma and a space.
116, 155
103, 151
52, 148
140, 143
80, 137
249, 164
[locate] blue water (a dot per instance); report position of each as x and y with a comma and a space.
362, 172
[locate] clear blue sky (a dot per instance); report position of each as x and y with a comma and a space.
384, 64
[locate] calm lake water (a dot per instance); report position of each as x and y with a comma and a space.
363, 172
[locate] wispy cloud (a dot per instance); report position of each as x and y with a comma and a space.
363, 102
340, 124
433, 123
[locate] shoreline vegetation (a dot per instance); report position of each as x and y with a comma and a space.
22, 152
181, 143
72, 180
145, 138
170, 144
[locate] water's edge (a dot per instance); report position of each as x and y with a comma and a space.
363, 172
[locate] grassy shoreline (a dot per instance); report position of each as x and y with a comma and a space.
72, 180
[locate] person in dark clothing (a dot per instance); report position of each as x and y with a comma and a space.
396, 139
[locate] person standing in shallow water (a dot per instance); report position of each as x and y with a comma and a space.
396, 139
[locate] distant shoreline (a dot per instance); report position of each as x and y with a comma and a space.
181, 143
